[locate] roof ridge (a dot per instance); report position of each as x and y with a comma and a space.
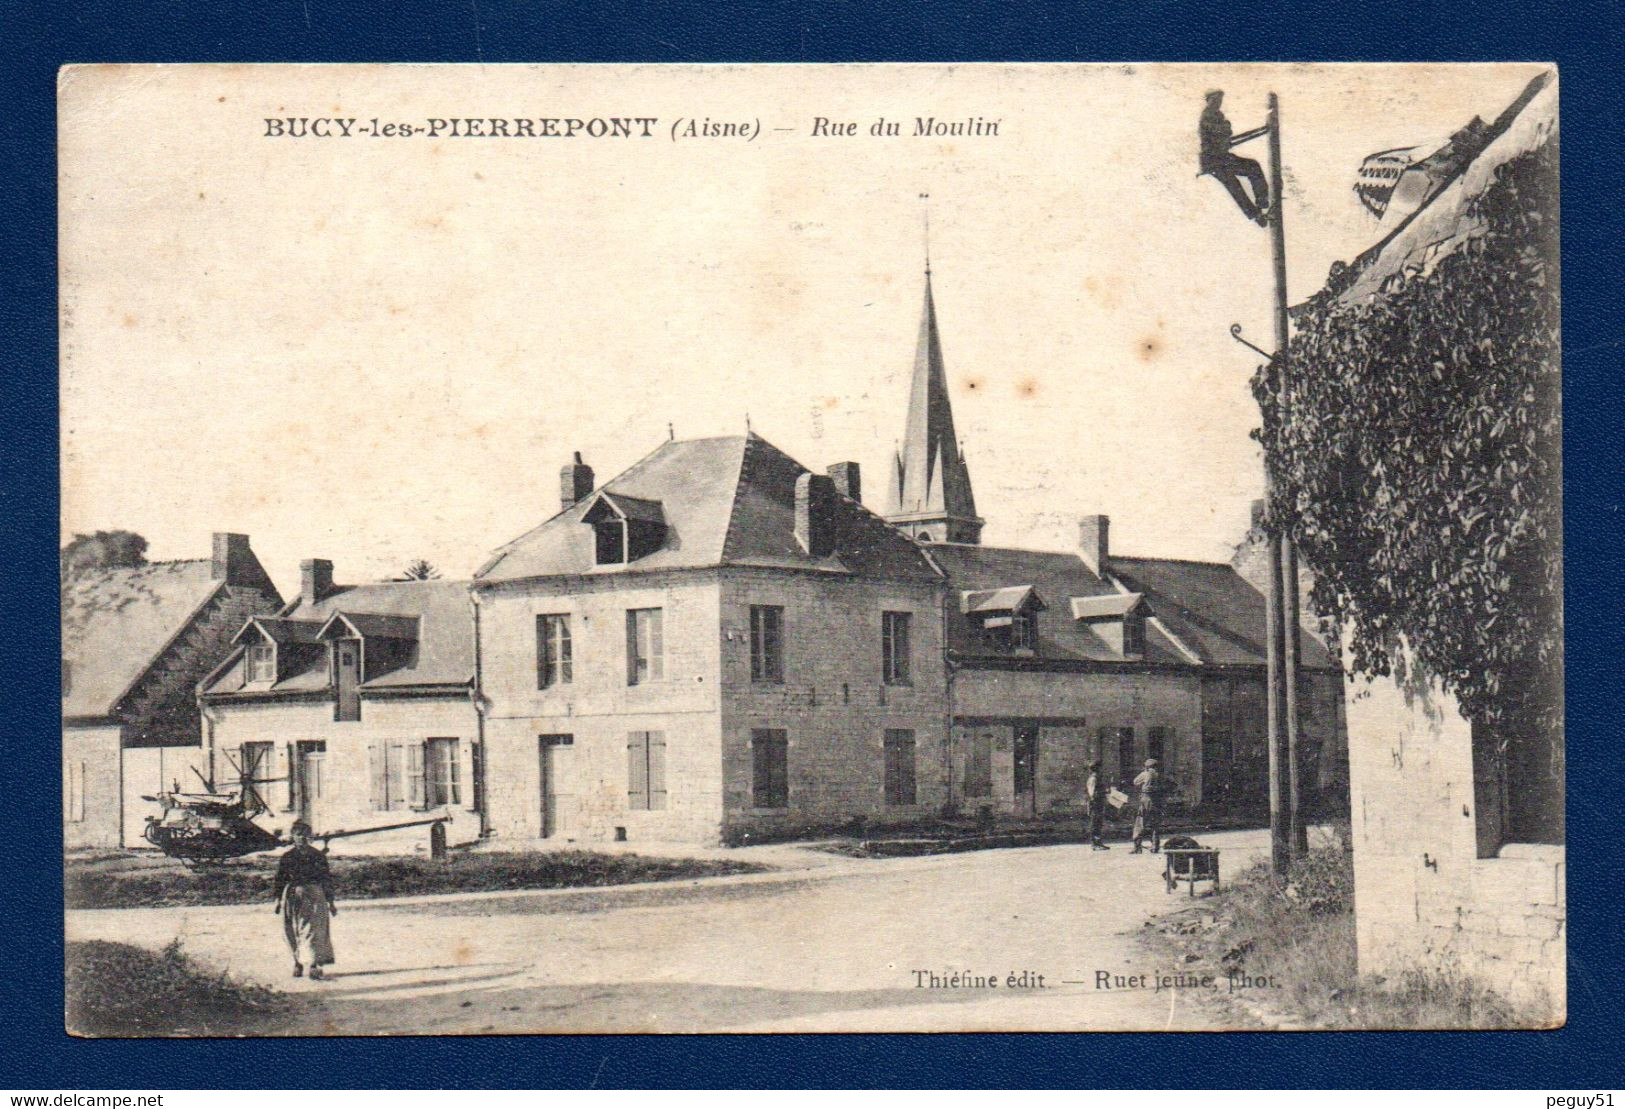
750, 442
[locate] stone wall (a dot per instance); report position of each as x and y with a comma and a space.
832, 703
1424, 899
599, 710
346, 791
92, 794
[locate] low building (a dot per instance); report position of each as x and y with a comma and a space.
353, 708
135, 642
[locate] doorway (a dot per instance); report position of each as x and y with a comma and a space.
1026, 770
557, 752
311, 754
347, 679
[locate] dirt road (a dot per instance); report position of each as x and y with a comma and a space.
832, 945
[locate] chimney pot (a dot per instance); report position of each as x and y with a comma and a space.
815, 514
848, 481
1094, 542
315, 580
575, 482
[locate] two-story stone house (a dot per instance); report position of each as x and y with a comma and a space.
715, 644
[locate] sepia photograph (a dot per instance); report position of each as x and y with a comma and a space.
758, 548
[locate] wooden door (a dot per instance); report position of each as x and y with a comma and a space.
1026, 769
557, 752
312, 757
347, 679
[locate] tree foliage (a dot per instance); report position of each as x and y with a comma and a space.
1419, 470
419, 570
102, 550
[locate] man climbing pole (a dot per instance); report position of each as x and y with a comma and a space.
1218, 162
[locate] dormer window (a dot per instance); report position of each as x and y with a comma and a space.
259, 664
1007, 618
625, 529
1118, 619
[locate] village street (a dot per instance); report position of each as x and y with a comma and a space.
824, 943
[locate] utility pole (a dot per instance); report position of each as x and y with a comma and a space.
1287, 576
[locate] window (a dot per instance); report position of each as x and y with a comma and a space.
1156, 745
553, 656
609, 542
1123, 738
260, 665
770, 768
900, 766
646, 769
397, 775
1133, 636
443, 782
1024, 631
256, 767
894, 648
645, 647
766, 643
74, 781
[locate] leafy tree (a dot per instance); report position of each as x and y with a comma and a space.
1420, 468
102, 550
419, 570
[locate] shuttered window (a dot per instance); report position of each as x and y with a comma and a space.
396, 769
646, 770
766, 643
900, 789
770, 767
1157, 744
645, 646
554, 662
255, 761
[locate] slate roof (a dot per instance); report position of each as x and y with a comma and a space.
725, 502
1206, 606
1008, 599
436, 611
279, 629
1211, 608
115, 624
1056, 576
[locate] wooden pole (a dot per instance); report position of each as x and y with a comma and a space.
1286, 573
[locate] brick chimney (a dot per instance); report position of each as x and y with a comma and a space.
815, 514
575, 482
1093, 542
847, 481
233, 561
315, 580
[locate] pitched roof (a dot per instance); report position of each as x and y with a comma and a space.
436, 611
1008, 599
1211, 608
115, 624
725, 502
1106, 607
369, 625
1057, 575
279, 629
928, 474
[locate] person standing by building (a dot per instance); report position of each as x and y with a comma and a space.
1094, 800
304, 898
1148, 816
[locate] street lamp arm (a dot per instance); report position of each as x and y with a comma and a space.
1235, 333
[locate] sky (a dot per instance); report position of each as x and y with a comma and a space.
378, 349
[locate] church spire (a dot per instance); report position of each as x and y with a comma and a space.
931, 495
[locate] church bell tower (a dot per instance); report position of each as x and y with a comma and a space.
930, 496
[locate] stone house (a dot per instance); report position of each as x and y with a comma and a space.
1057, 658
353, 707
1459, 866
135, 642
716, 644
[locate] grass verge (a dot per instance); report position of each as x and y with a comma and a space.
138, 882
1300, 939
116, 989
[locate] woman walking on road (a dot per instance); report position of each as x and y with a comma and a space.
304, 897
